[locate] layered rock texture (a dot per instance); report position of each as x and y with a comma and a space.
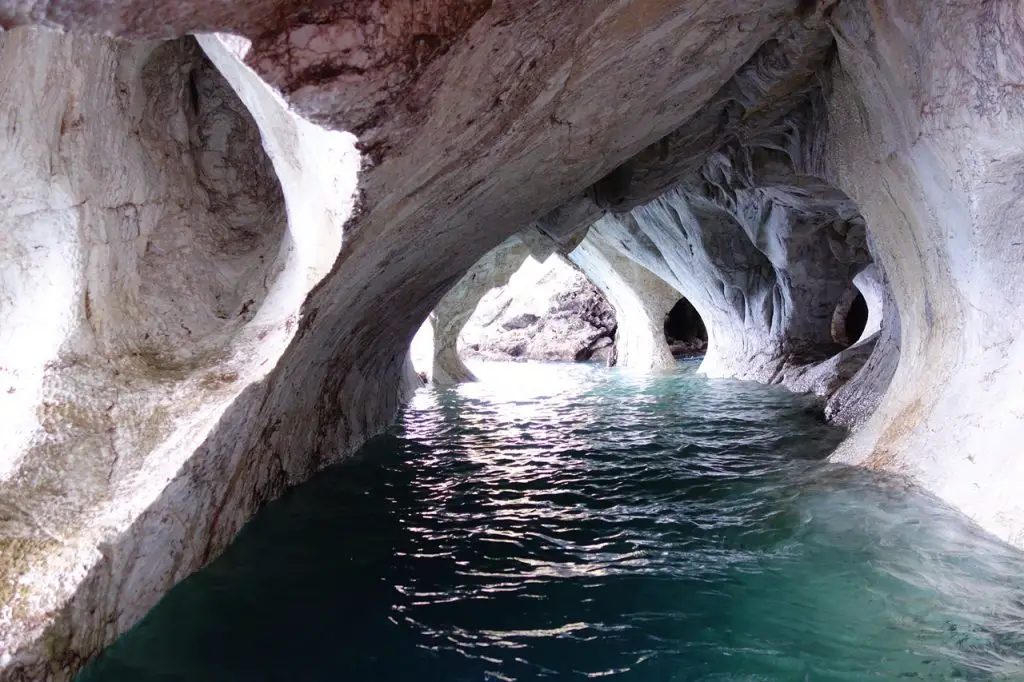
194, 314
548, 311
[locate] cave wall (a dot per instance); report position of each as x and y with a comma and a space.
142, 225
926, 113
766, 321
706, 256
157, 247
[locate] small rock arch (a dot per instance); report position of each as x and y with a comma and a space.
685, 331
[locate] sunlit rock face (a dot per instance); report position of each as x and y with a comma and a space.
155, 255
154, 261
926, 115
143, 221
547, 311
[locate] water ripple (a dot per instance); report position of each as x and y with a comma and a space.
569, 522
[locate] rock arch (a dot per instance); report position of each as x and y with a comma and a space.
457, 306
640, 298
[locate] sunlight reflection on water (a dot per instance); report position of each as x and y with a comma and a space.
571, 522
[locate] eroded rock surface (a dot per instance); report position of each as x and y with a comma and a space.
155, 257
755, 238
853, 403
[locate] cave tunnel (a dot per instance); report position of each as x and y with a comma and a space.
221, 222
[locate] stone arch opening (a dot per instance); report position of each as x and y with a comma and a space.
510, 306
685, 332
851, 318
547, 311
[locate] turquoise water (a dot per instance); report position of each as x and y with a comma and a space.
569, 522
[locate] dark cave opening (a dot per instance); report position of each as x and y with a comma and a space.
685, 332
856, 319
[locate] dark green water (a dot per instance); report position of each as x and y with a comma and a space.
568, 522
